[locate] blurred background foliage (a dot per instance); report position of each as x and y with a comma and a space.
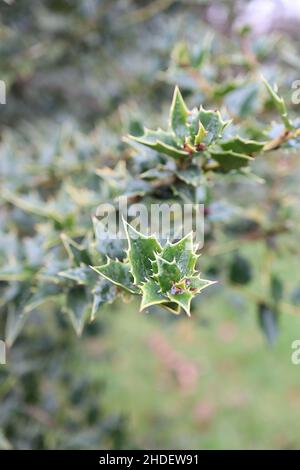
80, 74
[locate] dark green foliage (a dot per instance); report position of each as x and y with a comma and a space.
240, 271
268, 321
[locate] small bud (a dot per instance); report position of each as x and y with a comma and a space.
200, 147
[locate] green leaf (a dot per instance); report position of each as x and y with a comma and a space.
163, 277
242, 146
183, 254
178, 115
229, 160
191, 176
276, 288
103, 293
141, 251
200, 134
280, 105
268, 321
77, 307
32, 205
183, 292
151, 294
82, 275
77, 253
187, 130
43, 294
213, 124
161, 141
118, 273
183, 300
168, 273
197, 284
15, 322
240, 270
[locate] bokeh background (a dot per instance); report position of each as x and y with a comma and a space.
79, 75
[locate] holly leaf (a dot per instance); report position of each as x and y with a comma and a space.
229, 160
182, 299
191, 176
118, 273
167, 273
242, 146
178, 115
183, 292
141, 251
279, 104
151, 295
163, 276
213, 124
183, 253
77, 307
202, 132
103, 293
189, 131
196, 284
77, 253
82, 275
161, 141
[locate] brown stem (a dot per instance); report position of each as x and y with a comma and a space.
281, 139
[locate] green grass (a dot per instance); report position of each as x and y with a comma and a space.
247, 395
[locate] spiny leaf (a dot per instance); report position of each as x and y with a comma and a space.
141, 251
118, 273
77, 253
191, 176
168, 273
239, 145
187, 130
82, 275
151, 294
213, 124
280, 105
202, 132
183, 300
197, 284
178, 115
183, 292
229, 160
163, 277
183, 254
104, 292
77, 307
161, 141
32, 205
